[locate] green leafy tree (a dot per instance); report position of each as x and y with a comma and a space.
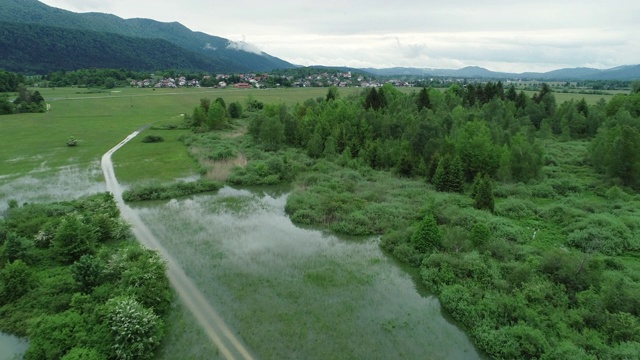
136, 331
427, 237
87, 272
478, 153
16, 279
199, 116
235, 110
216, 116
78, 353
73, 239
272, 133
14, 248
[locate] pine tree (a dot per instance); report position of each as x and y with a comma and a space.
482, 193
456, 175
439, 179
427, 236
423, 100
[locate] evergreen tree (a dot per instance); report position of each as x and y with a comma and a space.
480, 234
423, 100
332, 93
427, 237
456, 175
439, 179
482, 193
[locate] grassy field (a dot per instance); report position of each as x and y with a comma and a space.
101, 119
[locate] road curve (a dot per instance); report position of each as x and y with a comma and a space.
229, 345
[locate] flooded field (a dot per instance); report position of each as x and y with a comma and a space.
49, 185
293, 293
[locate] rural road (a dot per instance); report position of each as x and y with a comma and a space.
229, 345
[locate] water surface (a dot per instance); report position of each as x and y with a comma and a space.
294, 293
12, 347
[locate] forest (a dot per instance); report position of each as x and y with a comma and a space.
75, 282
519, 213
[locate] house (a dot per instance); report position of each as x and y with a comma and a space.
242, 85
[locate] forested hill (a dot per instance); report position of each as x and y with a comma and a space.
44, 49
222, 54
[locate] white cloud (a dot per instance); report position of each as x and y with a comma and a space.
244, 46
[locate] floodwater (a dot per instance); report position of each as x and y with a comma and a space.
11, 347
48, 185
295, 293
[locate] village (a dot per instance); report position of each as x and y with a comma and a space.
248, 81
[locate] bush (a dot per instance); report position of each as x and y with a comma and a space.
516, 209
136, 330
152, 139
166, 192
603, 233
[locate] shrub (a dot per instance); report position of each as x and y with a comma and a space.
152, 139
516, 209
136, 330
165, 192
603, 233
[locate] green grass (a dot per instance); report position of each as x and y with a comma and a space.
101, 120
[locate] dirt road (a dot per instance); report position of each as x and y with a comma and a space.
229, 345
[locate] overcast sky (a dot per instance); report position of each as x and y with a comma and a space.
513, 36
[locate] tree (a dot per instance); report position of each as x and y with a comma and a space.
136, 331
374, 100
449, 175
14, 248
235, 110
87, 272
332, 93
199, 116
423, 100
480, 234
427, 237
482, 193
272, 133
16, 279
216, 116
73, 239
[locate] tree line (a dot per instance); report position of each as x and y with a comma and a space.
518, 212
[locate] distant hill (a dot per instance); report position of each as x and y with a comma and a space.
628, 72
223, 55
44, 49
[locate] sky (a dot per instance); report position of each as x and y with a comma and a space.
500, 35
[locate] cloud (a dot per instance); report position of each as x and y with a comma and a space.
244, 46
506, 35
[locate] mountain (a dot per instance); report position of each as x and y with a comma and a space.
224, 55
627, 72
43, 49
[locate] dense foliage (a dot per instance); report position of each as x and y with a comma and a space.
165, 192
75, 284
520, 213
27, 101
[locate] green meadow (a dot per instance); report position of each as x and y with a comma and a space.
100, 119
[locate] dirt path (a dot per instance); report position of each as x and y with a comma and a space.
229, 345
